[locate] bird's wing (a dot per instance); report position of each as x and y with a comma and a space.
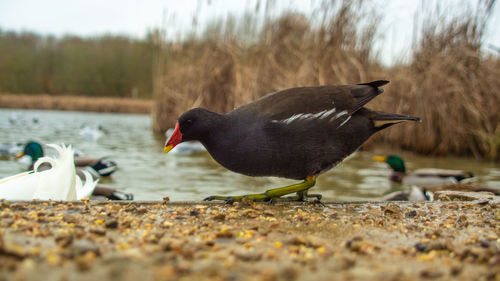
323, 102
18, 187
439, 172
86, 189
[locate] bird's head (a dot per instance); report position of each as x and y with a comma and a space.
394, 161
32, 149
192, 125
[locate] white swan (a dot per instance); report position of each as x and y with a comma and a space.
60, 182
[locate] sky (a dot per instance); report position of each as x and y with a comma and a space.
135, 18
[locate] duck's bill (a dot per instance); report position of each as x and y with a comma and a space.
20, 155
379, 158
174, 139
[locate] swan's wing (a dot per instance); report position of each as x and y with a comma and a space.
85, 190
19, 187
58, 183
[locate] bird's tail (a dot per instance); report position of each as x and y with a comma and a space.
383, 120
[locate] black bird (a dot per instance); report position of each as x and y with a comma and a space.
296, 133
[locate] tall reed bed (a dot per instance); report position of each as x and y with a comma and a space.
223, 70
451, 86
448, 82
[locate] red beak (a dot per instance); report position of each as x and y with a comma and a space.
174, 139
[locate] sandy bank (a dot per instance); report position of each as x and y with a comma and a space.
169, 241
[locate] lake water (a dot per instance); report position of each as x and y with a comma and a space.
149, 174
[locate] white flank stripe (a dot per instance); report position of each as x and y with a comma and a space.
342, 113
345, 121
327, 113
318, 115
292, 118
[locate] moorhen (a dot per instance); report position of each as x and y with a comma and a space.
296, 133
421, 177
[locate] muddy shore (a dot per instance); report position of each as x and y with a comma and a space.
210, 241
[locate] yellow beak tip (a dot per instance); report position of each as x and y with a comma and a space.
379, 158
167, 148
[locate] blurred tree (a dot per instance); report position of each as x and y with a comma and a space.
107, 65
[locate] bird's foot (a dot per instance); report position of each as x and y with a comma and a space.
317, 200
276, 194
259, 197
301, 198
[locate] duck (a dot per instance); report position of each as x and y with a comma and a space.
96, 167
297, 133
427, 177
60, 182
414, 194
10, 150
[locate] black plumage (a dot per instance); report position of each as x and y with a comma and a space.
293, 133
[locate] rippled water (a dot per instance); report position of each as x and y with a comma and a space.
149, 174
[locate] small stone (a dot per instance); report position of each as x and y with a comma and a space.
485, 243
250, 213
64, 240
111, 223
80, 247
224, 234
296, 240
430, 274
220, 217
248, 255
98, 230
411, 214
392, 210
421, 247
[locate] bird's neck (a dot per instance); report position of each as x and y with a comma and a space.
224, 141
397, 177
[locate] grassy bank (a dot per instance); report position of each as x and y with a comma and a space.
76, 103
447, 82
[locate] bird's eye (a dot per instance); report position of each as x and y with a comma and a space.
189, 122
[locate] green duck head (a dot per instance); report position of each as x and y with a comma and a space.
394, 161
33, 149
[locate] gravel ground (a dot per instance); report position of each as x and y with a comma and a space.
210, 241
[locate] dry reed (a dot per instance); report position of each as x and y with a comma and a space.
452, 87
75, 103
222, 73
448, 83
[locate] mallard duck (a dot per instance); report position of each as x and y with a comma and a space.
10, 150
414, 194
297, 133
98, 167
60, 182
421, 177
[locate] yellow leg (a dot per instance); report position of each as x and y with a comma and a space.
275, 193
